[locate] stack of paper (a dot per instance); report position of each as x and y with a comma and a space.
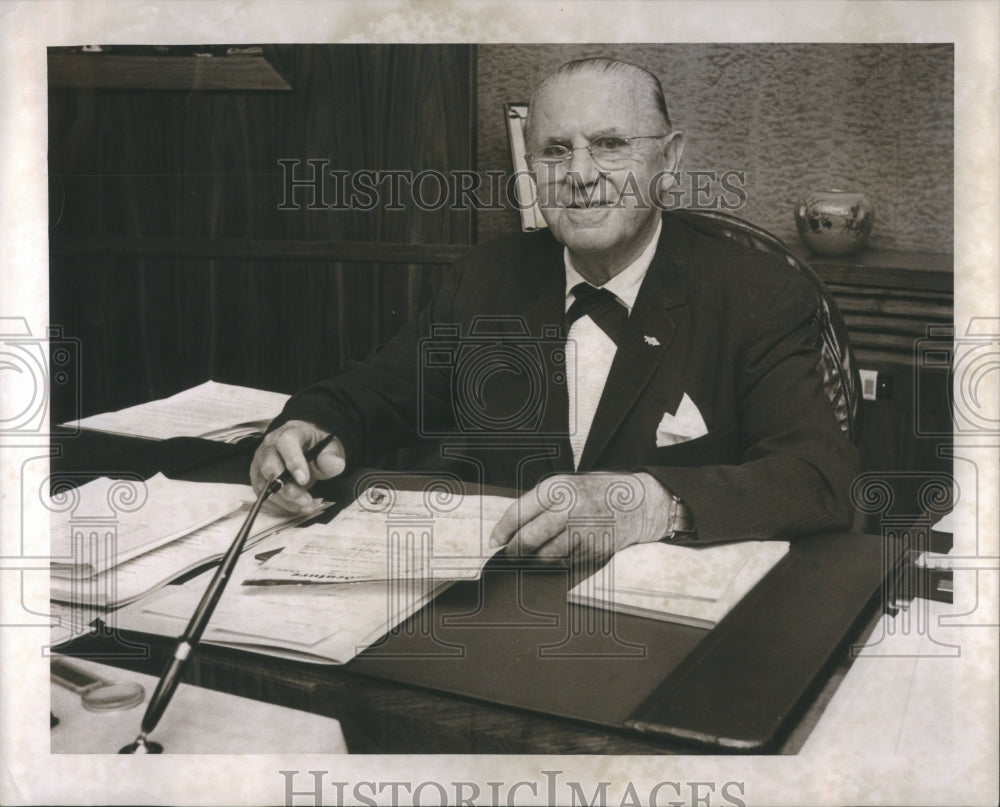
107, 557
679, 584
68, 621
223, 412
109, 521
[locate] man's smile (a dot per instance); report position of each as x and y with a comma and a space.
587, 214
588, 205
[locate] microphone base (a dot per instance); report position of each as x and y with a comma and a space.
141, 746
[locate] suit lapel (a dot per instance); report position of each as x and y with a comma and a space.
648, 332
545, 317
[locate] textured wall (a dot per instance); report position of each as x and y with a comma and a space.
875, 118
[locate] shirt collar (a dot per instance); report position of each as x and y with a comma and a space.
625, 285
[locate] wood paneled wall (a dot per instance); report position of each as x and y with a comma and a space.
170, 259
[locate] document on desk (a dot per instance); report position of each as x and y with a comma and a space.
687, 585
407, 538
106, 522
213, 411
153, 569
321, 624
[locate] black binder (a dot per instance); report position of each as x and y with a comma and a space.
509, 639
750, 676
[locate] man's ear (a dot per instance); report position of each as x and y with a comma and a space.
673, 150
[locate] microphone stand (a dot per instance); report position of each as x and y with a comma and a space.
199, 620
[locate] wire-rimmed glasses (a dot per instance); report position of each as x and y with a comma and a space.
607, 151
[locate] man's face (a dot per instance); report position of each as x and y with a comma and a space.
604, 215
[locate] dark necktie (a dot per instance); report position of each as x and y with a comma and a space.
607, 312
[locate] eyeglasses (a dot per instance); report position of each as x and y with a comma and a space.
607, 151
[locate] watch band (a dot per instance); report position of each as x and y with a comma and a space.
681, 521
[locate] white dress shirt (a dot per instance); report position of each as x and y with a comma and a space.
590, 351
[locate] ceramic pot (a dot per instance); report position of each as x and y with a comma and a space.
834, 222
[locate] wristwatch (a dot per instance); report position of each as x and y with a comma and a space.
680, 522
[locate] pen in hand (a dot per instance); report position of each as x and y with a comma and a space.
286, 476
199, 620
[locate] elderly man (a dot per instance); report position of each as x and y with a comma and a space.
679, 367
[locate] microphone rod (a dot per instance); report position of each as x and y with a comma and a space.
171, 677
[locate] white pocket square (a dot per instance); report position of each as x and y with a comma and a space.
686, 424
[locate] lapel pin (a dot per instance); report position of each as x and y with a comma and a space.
652, 340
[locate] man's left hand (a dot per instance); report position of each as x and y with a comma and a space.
585, 517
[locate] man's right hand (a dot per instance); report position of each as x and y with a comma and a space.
285, 447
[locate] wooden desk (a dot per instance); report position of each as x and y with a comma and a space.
507, 666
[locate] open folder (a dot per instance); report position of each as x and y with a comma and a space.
336, 588
329, 623
371, 540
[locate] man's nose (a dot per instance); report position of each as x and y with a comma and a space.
582, 170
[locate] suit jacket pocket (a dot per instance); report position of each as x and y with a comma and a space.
719, 447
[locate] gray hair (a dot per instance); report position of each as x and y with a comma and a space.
598, 64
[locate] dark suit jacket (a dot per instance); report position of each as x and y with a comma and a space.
479, 382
